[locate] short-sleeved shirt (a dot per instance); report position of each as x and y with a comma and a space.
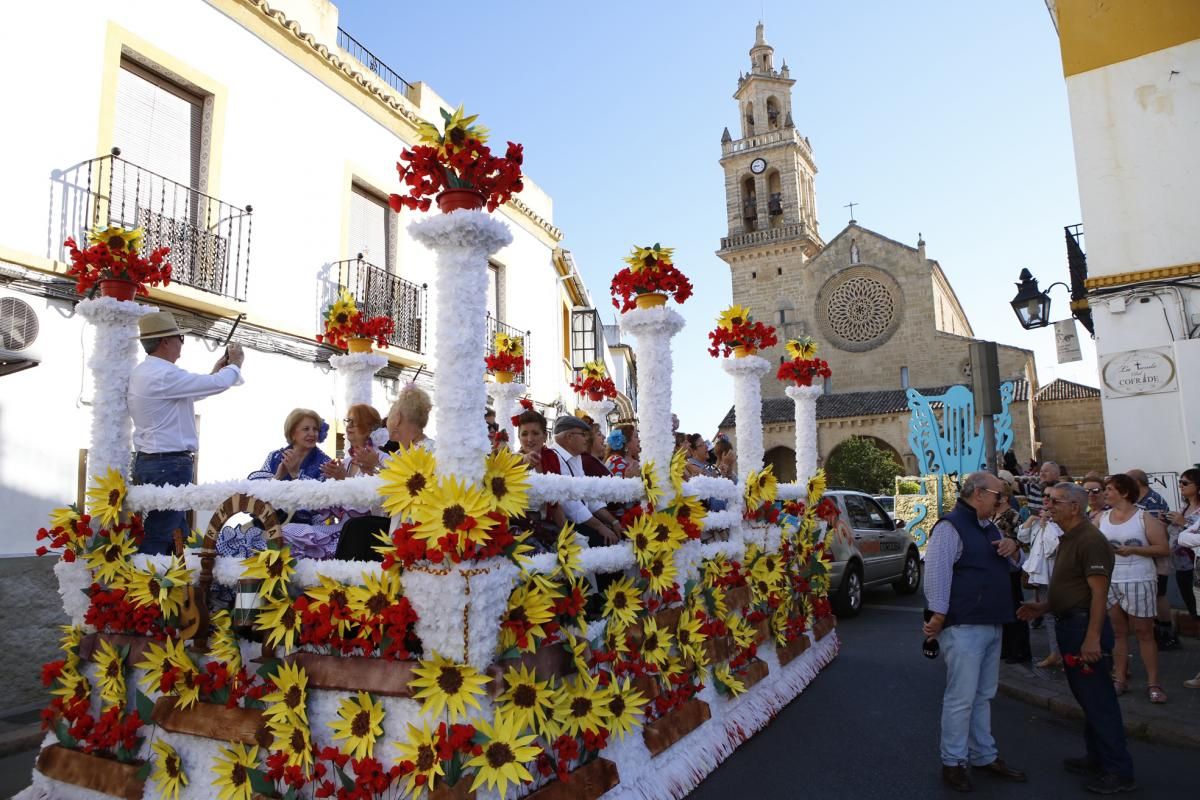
1154, 503
1082, 551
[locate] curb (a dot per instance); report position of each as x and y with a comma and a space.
20, 739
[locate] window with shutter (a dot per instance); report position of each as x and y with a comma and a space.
158, 125
369, 228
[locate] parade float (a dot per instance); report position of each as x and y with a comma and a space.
463, 664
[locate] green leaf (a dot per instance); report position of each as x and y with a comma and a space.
347, 783
123, 650
145, 707
291, 794
268, 669
144, 771
454, 769
259, 782
512, 652
65, 739
220, 696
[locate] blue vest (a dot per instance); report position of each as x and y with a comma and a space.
980, 592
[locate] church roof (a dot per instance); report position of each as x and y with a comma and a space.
855, 404
1066, 390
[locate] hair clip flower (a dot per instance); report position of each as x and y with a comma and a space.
322, 431
616, 439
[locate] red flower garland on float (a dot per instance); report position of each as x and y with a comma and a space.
737, 329
112, 254
650, 272
804, 364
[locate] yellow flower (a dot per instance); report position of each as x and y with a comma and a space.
278, 618
656, 643
733, 316
765, 575
726, 678
779, 620
106, 496
445, 685
187, 684
117, 238
529, 605
289, 698
233, 771
273, 567
743, 632
506, 482
458, 129
168, 772
648, 257
421, 751
641, 536
509, 345
594, 369
650, 484
293, 739
168, 591
816, 488
110, 675
407, 479
110, 560
577, 647
666, 532
153, 663
526, 701
690, 638
581, 705
570, 554
716, 568
454, 508
804, 347
360, 725
678, 464
625, 704
689, 507
662, 573
622, 602
223, 643
378, 592
505, 753
761, 487
64, 517
672, 669
71, 684
342, 310
72, 637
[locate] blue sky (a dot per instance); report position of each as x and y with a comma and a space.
944, 118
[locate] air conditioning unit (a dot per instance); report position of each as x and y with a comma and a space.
18, 331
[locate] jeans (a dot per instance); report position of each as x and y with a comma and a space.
160, 526
1103, 731
972, 673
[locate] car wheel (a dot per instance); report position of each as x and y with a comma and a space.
848, 601
910, 579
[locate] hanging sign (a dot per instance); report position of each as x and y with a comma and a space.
1067, 340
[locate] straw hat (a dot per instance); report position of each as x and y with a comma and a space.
158, 325
1008, 478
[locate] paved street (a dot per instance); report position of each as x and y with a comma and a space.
868, 728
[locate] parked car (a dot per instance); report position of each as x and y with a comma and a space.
888, 503
868, 550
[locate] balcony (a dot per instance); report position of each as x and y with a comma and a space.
209, 238
760, 237
379, 293
494, 325
369, 60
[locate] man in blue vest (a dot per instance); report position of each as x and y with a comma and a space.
968, 592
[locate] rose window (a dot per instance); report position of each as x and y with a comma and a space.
860, 310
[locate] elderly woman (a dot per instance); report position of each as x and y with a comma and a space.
1093, 484
361, 454
300, 458
726, 458
697, 458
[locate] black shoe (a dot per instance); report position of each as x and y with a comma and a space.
1169, 641
1002, 770
1082, 766
1110, 784
957, 778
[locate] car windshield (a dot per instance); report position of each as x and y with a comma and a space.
888, 503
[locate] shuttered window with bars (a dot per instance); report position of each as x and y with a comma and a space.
158, 125
370, 225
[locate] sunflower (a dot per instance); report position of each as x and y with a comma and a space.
725, 677
378, 592
715, 569
72, 684
336, 595
526, 701
733, 316
294, 740
779, 620
672, 670
110, 675
72, 638
529, 607
510, 345
406, 480
63, 517
656, 643
168, 590
761, 487
154, 664
641, 536
678, 466
668, 534
421, 750
650, 484
273, 567
233, 767
622, 602
289, 698
765, 576
223, 642
578, 648
570, 553
647, 257
816, 488
688, 507
581, 705
743, 632
454, 507
804, 347
458, 130
360, 725
505, 753
106, 496
117, 238
187, 681
111, 559
445, 685
342, 311
625, 704
690, 638
281, 622
661, 572
594, 369
168, 772
506, 482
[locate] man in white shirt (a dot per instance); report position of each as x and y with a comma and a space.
161, 398
571, 438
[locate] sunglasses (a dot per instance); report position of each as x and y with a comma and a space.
1095, 491
1185, 483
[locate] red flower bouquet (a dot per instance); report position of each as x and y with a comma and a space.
112, 254
457, 158
509, 355
593, 381
649, 279
737, 331
343, 322
804, 365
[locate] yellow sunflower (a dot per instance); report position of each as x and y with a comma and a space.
377, 592
506, 482
71, 684
725, 677
168, 774
280, 621
803, 347
106, 496
527, 605
223, 642
526, 701
342, 310
668, 534
445, 685
187, 685
647, 257
743, 632
594, 369
233, 767
420, 750
650, 485
622, 602
678, 466
641, 536
360, 725
110, 675
689, 507
816, 488
63, 517
458, 129
154, 662
118, 238
733, 316
578, 648
690, 638
273, 567
625, 708
581, 705
332, 593
110, 560
505, 753
716, 568
761, 487
656, 643
455, 508
294, 740
167, 590
662, 573
779, 620
570, 553
510, 345
288, 699
406, 480
72, 637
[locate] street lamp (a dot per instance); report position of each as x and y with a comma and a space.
1032, 305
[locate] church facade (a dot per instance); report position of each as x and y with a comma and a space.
885, 316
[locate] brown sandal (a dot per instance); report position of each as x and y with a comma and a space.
1157, 695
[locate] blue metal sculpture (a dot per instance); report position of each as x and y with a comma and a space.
954, 444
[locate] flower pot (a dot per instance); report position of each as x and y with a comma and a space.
823, 626
650, 299
755, 672
209, 720
762, 630
678, 723
718, 648
97, 773
359, 344
792, 650
549, 661
585, 783
118, 288
743, 350
504, 376
456, 199
595, 397
356, 673
737, 598
459, 791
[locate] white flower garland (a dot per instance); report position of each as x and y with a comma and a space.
792, 491
805, 399
747, 375
653, 329
357, 371
506, 397
73, 578
713, 488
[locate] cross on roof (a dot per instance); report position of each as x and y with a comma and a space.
851, 207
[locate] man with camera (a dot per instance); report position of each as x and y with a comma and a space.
969, 600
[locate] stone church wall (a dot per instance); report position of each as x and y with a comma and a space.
1072, 433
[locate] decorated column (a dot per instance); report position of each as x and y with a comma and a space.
598, 410
801, 370
357, 371
738, 335
506, 399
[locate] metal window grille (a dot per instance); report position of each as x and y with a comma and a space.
379, 293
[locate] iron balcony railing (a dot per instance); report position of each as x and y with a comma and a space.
494, 325
209, 238
369, 60
379, 293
